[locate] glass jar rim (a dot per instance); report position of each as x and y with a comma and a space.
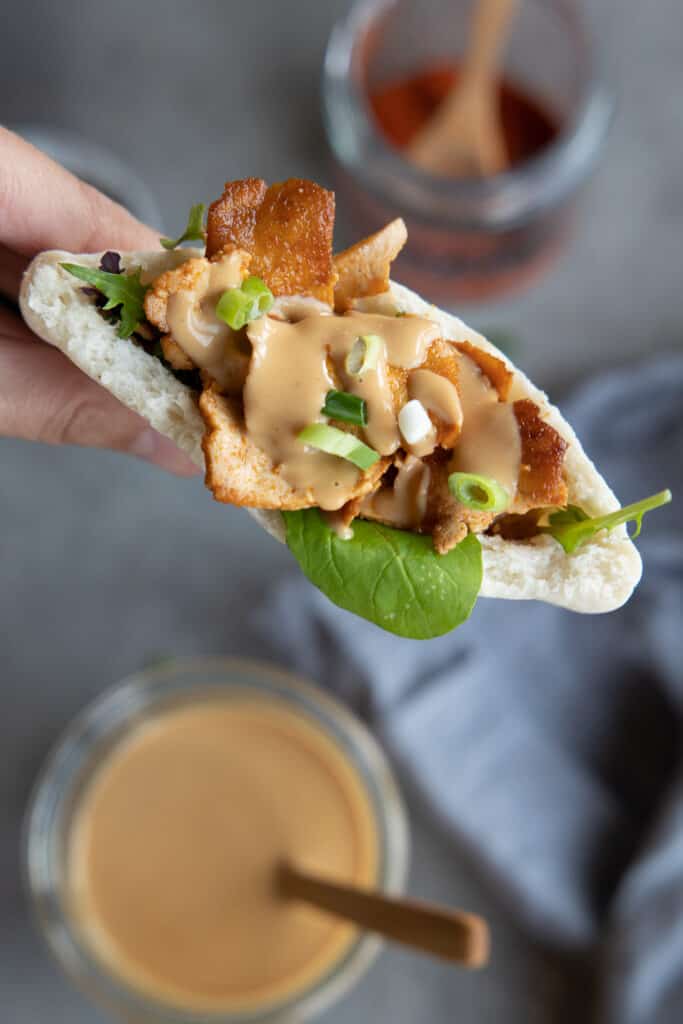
502, 202
105, 719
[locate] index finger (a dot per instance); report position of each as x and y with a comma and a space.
43, 206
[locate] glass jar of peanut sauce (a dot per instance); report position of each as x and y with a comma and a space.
155, 826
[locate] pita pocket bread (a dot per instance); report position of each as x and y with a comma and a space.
511, 553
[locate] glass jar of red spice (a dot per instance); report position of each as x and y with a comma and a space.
389, 63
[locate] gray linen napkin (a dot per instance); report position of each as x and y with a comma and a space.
547, 743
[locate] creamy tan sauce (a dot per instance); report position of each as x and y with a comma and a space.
175, 842
407, 338
421, 449
297, 307
192, 320
438, 395
338, 524
285, 391
405, 503
489, 443
291, 372
382, 431
294, 365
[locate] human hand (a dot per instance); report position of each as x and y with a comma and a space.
43, 396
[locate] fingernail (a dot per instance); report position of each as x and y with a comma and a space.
154, 447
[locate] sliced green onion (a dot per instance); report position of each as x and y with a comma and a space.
259, 291
364, 355
234, 307
337, 442
478, 492
237, 306
340, 405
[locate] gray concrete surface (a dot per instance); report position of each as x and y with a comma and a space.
105, 562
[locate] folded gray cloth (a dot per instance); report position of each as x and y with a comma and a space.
548, 743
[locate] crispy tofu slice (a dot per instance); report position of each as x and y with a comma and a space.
240, 473
232, 218
187, 277
234, 370
446, 519
440, 359
190, 276
174, 355
231, 362
363, 269
287, 228
541, 482
492, 367
541, 476
237, 472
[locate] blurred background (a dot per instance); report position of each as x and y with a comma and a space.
107, 563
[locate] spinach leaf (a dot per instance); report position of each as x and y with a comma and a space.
390, 577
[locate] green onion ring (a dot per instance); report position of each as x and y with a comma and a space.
481, 493
237, 306
364, 355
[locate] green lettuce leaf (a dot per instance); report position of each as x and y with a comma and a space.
124, 292
194, 232
390, 577
572, 527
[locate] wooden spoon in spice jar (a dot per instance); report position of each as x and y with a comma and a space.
464, 138
451, 935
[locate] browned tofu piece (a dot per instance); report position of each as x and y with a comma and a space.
492, 367
174, 355
287, 228
541, 475
446, 519
186, 277
541, 483
240, 473
442, 360
232, 218
228, 357
363, 269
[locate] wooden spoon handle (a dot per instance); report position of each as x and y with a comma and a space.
450, 934
489, 31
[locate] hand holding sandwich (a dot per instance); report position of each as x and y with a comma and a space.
407, 463
43, 396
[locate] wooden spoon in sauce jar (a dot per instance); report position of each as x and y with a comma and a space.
452, 935
464, 138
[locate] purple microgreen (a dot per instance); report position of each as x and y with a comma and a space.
111, 262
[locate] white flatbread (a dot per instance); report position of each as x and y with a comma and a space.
599, 577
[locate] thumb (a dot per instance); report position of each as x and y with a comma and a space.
44, 397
